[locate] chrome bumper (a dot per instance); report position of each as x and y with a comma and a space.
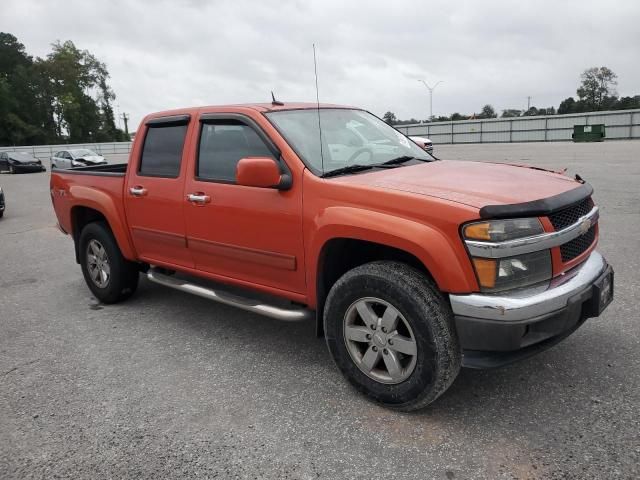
531, 302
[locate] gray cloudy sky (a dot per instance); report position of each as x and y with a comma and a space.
166, 54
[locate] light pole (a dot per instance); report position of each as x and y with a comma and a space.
431, 89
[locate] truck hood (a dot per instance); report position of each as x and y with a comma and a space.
91, 158
477, 184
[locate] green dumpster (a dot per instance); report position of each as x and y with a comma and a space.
588, 133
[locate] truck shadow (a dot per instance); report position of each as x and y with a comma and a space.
564, 380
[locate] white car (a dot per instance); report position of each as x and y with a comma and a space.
424, 142
78, 157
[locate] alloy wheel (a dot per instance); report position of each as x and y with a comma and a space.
98, 264
380, 340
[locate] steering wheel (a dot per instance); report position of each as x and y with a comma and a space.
359, 152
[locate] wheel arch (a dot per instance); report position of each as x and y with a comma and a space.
350, 237
82, 215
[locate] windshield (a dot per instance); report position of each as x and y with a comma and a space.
349, 137
82, 152
21, 156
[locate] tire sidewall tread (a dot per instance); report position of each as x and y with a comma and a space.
124, 274
431, 320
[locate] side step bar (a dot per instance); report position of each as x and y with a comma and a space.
293, 314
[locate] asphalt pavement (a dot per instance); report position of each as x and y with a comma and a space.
167, 385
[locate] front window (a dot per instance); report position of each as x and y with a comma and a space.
349, 138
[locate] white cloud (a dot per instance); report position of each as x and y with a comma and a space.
165, 54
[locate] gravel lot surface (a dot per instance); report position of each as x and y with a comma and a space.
170, 385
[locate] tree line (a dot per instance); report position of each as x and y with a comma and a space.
62, 98
596, 92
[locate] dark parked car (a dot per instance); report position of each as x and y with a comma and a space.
77, 157
1, 202
16, 162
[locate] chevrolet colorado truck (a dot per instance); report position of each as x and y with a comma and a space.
412, 267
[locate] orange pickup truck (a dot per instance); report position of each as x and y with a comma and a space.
412, 267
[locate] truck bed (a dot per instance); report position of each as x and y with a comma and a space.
103, 170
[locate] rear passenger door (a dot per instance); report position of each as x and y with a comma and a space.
154, 199
249, 234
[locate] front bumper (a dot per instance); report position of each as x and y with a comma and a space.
502, 328
29, 168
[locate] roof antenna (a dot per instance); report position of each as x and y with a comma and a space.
274, 101
315, 70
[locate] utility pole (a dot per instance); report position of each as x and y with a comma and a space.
118, 115
431, 89
125, 119
528, 103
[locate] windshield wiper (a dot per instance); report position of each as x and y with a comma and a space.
402, 159
348, 169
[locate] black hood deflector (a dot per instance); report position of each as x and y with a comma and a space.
538, 208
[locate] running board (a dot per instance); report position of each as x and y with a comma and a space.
293, 314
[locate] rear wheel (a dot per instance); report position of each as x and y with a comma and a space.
109, 276
391, 333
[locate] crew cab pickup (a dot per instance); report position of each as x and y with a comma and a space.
412, 267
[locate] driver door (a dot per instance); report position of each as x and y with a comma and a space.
249, 234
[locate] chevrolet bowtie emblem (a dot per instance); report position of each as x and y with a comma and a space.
585, 225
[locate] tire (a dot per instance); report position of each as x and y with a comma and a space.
429, 365
97, 242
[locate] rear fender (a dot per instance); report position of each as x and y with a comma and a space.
105, 204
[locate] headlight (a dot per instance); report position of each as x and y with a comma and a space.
501, 230
77, 163
497, 274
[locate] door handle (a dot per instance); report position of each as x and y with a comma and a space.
198, 198
138, 191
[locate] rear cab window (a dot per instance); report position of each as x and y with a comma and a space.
163, 146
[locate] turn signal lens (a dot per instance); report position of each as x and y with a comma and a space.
478, 231
502, 230
486, 271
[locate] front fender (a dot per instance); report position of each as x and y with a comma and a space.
442, 253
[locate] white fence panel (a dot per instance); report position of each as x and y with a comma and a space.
44, 152
619, 124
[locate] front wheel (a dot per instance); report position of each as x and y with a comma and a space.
391, 333
109, 276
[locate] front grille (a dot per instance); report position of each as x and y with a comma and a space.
570, 215
578, 245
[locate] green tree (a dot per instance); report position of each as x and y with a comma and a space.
487, 112
458, 116
63, 97
390, 118
597, 84
568, 105
511, 113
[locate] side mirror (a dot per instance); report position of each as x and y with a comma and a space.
261, 172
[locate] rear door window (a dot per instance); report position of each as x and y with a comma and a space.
162, 151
